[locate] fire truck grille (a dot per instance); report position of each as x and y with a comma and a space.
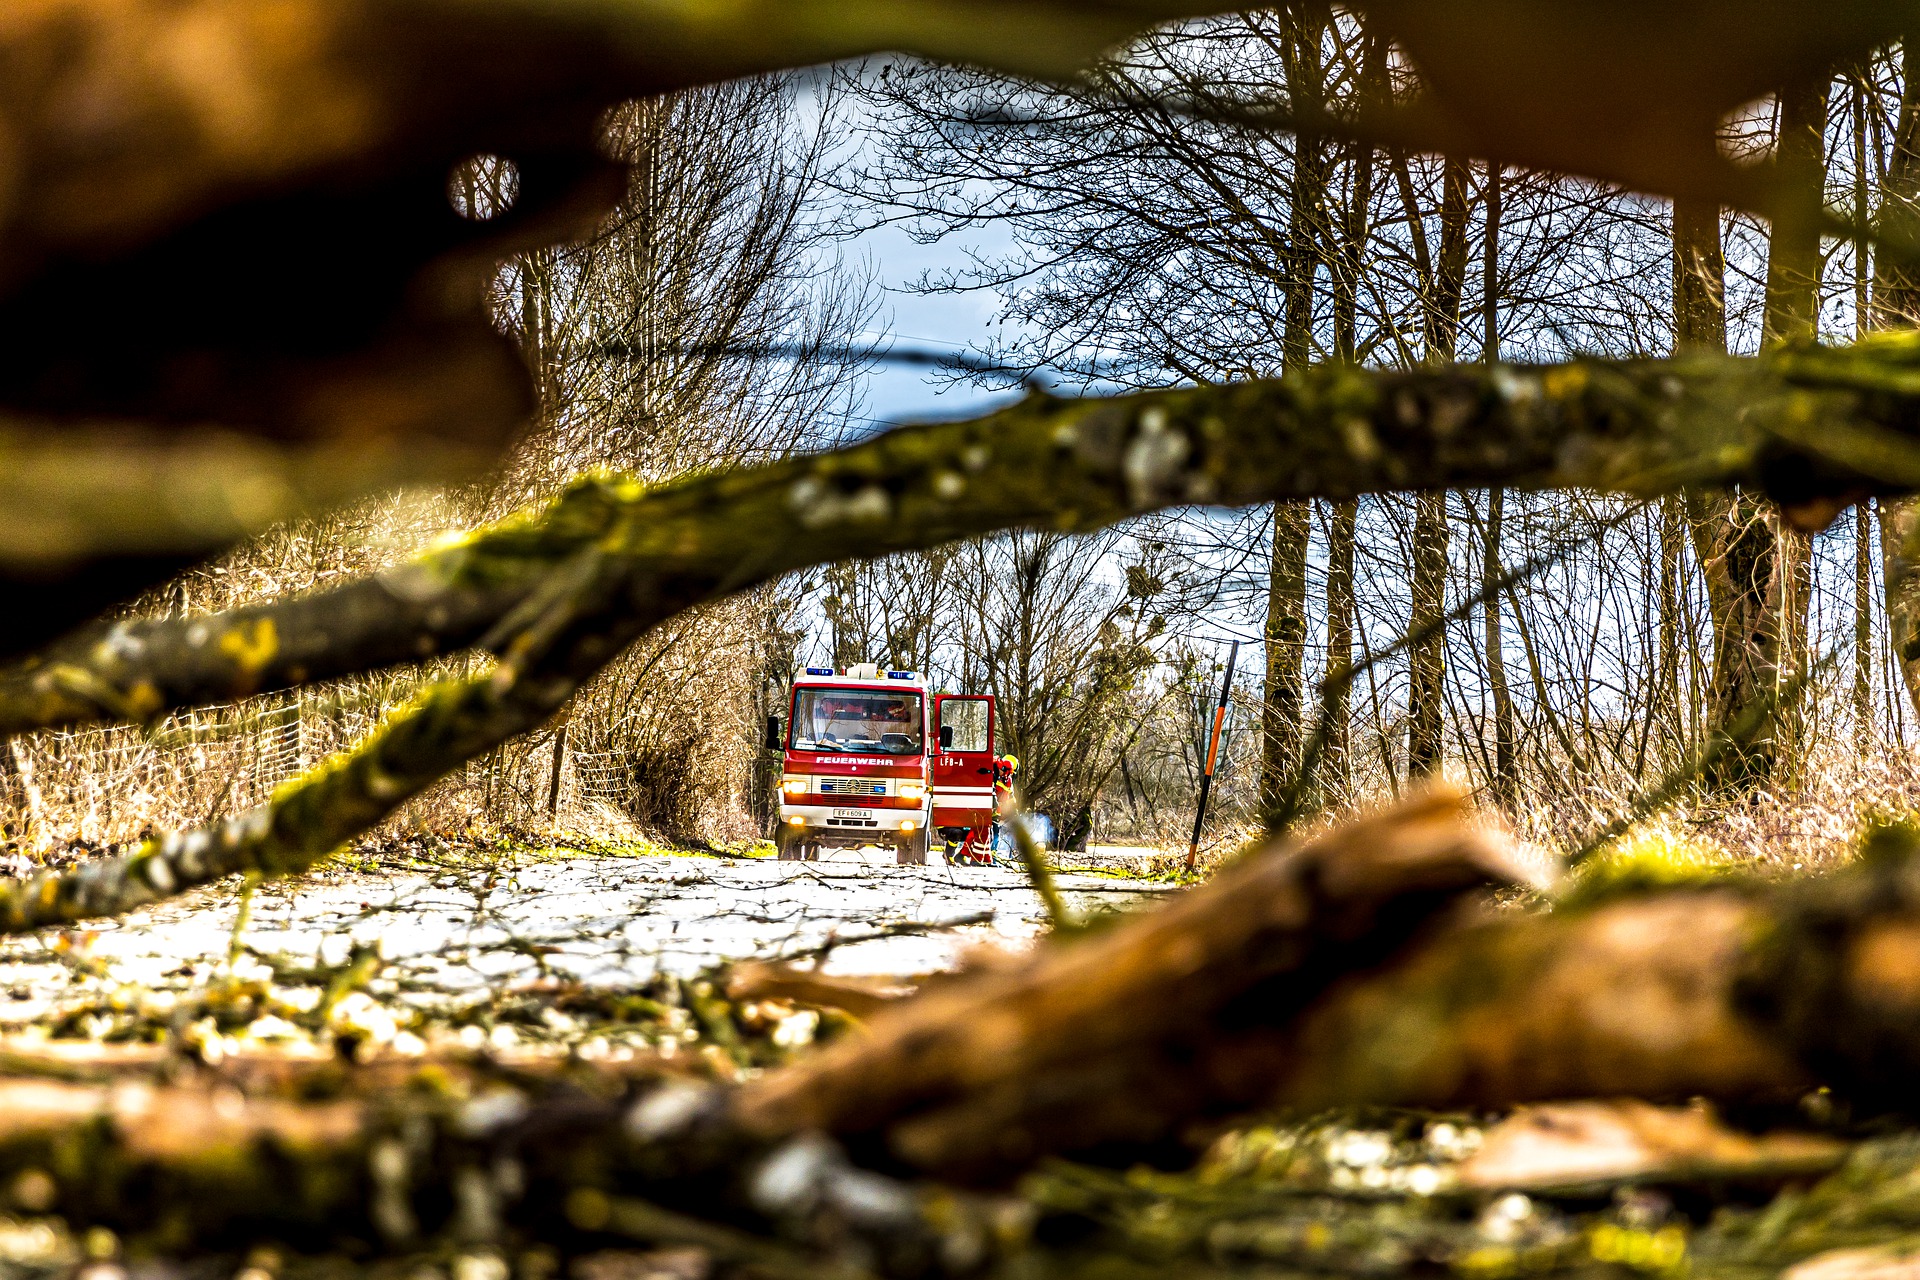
852, 822
852, 787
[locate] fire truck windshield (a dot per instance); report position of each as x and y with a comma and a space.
877, 722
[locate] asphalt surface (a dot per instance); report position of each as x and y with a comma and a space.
463, 931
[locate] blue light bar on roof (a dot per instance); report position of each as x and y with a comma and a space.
899, 675
819, 671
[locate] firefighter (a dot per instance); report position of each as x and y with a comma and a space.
975, 851
1003, 770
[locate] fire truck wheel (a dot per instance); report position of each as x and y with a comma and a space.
791, 848
911, 851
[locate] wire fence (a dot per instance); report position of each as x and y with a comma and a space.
104, 786
596, 775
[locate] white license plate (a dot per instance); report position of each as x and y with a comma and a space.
856, 814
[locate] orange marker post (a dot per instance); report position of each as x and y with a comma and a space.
1213, 753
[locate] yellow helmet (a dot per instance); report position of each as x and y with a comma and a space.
1013, 762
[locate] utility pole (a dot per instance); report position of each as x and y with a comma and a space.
1213, 753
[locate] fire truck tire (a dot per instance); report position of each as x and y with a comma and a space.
911, 851
791, 849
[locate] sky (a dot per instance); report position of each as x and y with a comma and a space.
907, 320
923, 322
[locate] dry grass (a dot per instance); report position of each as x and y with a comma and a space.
663, 741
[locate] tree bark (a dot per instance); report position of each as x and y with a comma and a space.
1896, 305
1734, 540
1427, 658
1286, 642
1791, 315
1285, 633
1737, 546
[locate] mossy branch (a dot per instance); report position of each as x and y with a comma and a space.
558, 595
1816, 427
315, 813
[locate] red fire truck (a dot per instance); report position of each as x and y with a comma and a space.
873, 757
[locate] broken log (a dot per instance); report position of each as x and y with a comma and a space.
1741, 992
1110, 1041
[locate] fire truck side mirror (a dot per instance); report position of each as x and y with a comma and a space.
773, 733
946, 737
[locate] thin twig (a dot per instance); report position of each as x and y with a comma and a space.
901, 929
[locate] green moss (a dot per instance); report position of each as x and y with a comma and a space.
1646, 860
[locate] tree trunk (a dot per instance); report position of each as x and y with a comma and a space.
1736, 545
1862, 512
1667, 685
1426, 697
1733, 538
1426, 685
1336, 765
1862, 626
1286, 640
1791, 315
1286, 623
1505, 766
1899, 528
1896, 304
1792, 303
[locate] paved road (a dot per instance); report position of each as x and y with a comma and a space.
459, 932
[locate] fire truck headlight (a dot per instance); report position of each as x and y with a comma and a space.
909, 827
913, 791
794, 786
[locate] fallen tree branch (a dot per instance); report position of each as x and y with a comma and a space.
1818, 428
562, 636
1342, 970
1732, 991
1816, 425
1632, 998
1077, 1046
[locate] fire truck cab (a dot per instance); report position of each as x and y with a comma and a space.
873, 757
